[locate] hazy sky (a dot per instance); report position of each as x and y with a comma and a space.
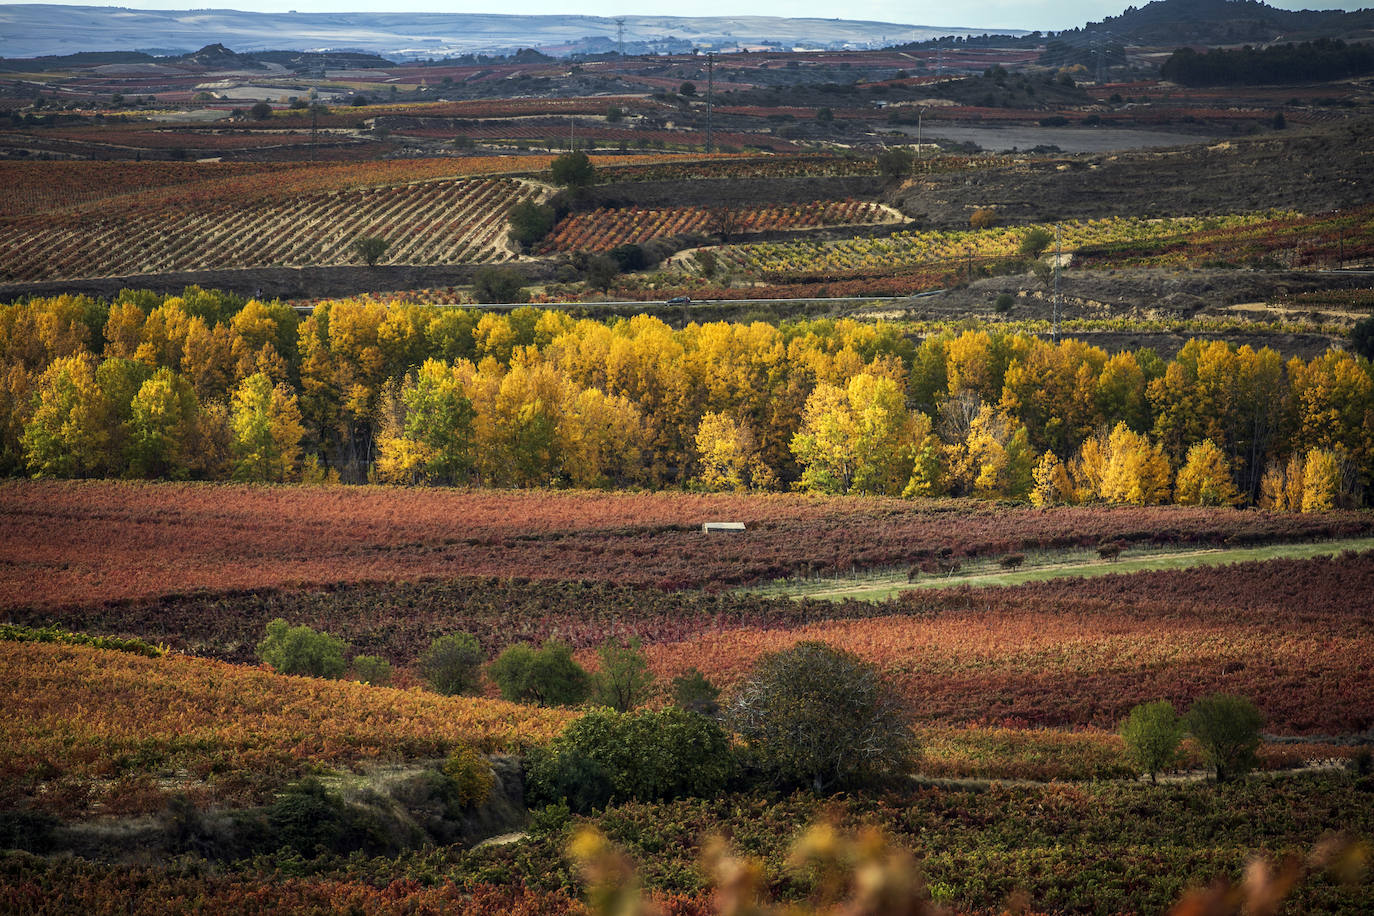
1014, 14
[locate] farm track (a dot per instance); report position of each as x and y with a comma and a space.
880, 588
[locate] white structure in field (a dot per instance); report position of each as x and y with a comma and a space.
708, 527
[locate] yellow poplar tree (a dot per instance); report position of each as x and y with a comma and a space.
727, 455
68, 430
1136, 471
995, 457
602, 435
858, 438
266, 423
1205, 478
1321, 480
1052, 484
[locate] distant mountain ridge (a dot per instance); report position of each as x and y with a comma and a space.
31, 30
1221, 22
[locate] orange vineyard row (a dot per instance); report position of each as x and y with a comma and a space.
602, 230
75, 714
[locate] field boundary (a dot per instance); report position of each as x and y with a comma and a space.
886, 584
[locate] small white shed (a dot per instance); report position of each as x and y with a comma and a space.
708, 527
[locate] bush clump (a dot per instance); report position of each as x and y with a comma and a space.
312, 820
818, 716
453, 664
301, 650
372, 670
692, 691
549, 675
642, 756
471, 777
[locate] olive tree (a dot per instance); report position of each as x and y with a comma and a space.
370, 248
818, 716
573, 170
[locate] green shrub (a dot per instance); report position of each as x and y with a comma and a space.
1152, 732
15, 633
624, 679
499, 284
640, 756
573, 170
531, 221
818, 716
301, 650
471, 777
693, 692
548, 676
1034, 242
310, 819
1227, 727
453, 664
372, 669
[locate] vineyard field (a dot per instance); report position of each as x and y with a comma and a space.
604, 229
101, 540
1083, 661
76, 714
917, 248
436, 222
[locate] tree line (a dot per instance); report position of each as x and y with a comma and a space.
210, 386
1310, 61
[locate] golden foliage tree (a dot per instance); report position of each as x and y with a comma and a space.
994, 459
267, 429
1321, 480
1205, 478
727, 455
68, 430
1052, 484
859, 438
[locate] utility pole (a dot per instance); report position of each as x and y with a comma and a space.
710, 94
920, 161
1058, 255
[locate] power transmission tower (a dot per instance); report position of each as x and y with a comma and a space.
620, 36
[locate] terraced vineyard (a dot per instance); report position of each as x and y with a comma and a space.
601, 230
915, 248
437, 222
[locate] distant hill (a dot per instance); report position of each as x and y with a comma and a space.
31, 30
1223, 22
